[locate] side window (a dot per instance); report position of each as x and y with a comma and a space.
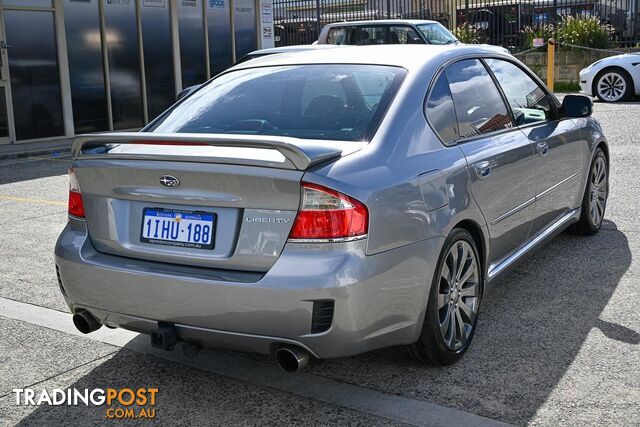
528, 101
404, 35
362, 36
478, 104
337, 36
440, 111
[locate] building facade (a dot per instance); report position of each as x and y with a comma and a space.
77, 66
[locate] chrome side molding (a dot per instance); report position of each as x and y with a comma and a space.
500, 266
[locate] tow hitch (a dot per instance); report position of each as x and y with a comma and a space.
165, 337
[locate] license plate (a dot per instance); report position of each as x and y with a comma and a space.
178, 228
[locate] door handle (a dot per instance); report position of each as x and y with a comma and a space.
543, 148
483, 169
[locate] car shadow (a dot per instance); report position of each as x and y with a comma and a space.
630, 101
17, 170
531, 327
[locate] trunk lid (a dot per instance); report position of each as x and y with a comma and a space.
250, 186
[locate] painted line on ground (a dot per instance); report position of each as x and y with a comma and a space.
33, 201
393, 407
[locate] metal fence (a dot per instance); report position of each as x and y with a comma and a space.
499, 22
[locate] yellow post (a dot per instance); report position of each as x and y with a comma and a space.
551, 63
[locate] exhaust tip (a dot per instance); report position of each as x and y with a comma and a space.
85, 322
292, 359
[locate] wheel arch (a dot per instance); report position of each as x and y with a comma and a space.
605, 149
480, 239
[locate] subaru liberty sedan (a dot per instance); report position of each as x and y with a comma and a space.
322, 204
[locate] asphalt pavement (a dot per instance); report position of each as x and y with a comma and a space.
558, 340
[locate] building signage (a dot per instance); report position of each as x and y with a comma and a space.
154, 3
267, 13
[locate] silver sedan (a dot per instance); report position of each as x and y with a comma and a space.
323, 204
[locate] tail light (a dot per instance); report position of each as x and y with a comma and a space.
76, 208
326, 214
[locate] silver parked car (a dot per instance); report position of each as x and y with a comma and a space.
323, 204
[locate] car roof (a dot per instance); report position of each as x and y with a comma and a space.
412, 56
382, 22
295, 48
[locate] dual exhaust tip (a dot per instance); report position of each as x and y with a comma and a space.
85, 322
292, 359
289, 358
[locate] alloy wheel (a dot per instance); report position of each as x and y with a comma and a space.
612, 87
598, 187
458, 295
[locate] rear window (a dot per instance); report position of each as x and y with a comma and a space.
333, 102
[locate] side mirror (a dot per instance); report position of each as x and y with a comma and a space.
576, 106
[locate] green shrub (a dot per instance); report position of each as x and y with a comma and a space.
584, 31
467, 34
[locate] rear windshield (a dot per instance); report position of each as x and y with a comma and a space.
336, 102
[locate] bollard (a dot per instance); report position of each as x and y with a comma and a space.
551, 63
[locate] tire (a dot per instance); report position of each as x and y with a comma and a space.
613, 85
449, 296
594, 200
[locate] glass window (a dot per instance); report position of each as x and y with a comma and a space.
479, 106
191, 29
528, 101
158, 57
124, 64
219, 24
27, 3
244, 21
361, 36
435, 33
88, 95
371, 85
337, 36
404, 35
4, 118
35, 80
441, 112
302, 101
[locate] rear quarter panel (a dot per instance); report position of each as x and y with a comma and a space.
414, 187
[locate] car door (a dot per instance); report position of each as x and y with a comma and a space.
557, 142
501, 159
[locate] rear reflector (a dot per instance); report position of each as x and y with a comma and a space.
326, 214
76, 208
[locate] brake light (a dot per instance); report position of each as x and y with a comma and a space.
76, 208
326, 214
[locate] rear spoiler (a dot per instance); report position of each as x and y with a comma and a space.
299, 154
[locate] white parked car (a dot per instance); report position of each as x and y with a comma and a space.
612, 79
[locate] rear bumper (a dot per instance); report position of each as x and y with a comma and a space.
379, 300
